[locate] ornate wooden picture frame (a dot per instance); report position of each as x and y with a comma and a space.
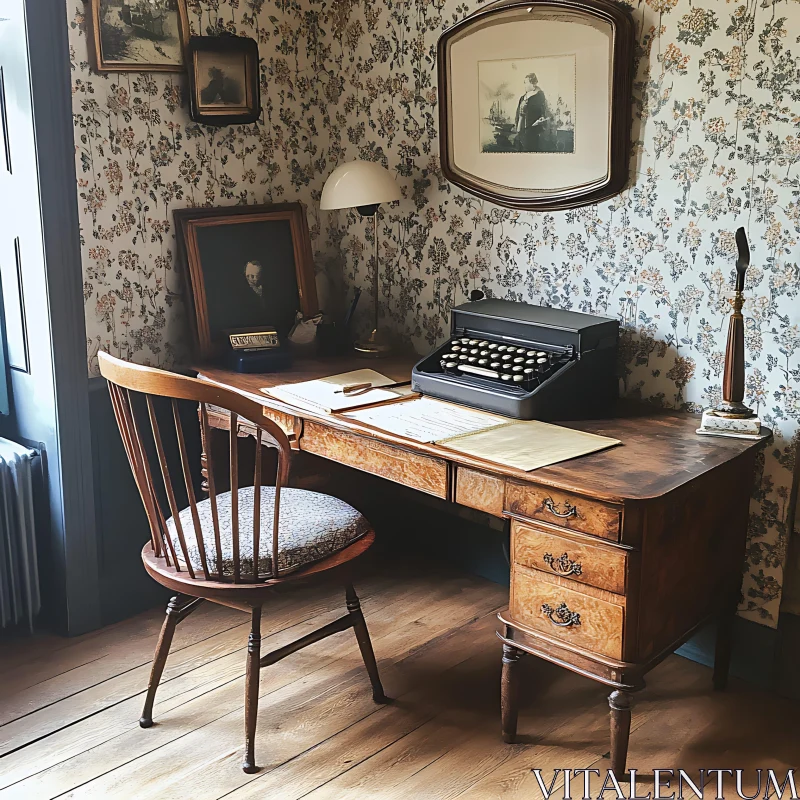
137, 35
223, 80
535, 102
246, 266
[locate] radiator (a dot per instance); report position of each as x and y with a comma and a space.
19, 572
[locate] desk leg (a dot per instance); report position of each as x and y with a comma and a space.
620, 704
509, 692
724, 645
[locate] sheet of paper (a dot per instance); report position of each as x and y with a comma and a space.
425, 419
324, 394
528, 445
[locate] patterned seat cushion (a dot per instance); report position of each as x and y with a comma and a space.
312, 526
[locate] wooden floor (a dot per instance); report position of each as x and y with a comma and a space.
69, 708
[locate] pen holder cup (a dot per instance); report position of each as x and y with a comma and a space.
333, 339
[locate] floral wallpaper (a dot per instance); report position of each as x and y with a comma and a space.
139, 156
716, 132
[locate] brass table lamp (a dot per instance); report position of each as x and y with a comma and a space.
364, 185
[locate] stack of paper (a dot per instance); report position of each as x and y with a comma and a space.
326, 395
528, 445
427, 420
512, 443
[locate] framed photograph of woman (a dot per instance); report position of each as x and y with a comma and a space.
137, 35
248, 267
535, 110
224, 80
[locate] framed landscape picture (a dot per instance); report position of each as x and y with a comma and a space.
138, 35
224, 80
536, 109
248, 267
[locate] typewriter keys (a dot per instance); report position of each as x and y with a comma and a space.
502, 363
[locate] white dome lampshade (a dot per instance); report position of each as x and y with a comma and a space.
358, 184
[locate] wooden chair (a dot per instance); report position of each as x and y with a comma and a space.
213, 549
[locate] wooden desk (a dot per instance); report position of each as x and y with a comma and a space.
617, 557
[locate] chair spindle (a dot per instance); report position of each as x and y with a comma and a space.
257, 506
234, 455
212, 487
148, 476
117, 403
187, 477
173, 506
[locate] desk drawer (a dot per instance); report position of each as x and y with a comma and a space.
566, 510
571, 616
425, 473
537, 548
480, 490
286, 422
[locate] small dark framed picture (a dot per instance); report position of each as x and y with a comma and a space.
137, 35
223, 80
248, 267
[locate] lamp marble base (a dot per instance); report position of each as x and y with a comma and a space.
715, 425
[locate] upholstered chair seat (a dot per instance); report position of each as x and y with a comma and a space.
312, 527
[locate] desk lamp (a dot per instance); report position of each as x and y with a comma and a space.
364, 185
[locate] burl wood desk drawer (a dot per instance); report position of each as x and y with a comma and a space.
419, 471
537, 547
566, 510
565, 614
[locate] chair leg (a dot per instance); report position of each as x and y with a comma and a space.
364, 643
174, 608
509, 692
251, 693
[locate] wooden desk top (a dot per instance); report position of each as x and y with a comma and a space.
660, 451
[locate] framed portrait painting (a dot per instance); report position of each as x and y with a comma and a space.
248, 267
137, 35
535, 107
224, 80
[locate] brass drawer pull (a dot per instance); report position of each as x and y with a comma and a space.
562, 565
564, 617
569, 509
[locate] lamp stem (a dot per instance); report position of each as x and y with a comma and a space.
377, 344
376, 287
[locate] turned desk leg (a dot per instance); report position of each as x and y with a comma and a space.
509, 692
620, 705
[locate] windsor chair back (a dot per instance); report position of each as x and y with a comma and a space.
234, 547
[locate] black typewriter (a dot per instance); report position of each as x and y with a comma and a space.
524, 361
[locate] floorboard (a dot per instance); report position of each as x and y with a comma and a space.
69, 710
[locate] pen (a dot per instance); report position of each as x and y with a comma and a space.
352, 388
